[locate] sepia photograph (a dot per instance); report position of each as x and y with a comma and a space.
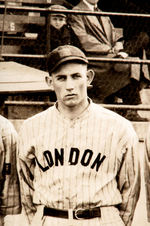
74, 113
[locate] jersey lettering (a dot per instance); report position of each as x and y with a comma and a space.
74, 156
87, 154
98, 161
49, 158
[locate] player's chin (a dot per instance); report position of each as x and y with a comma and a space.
71, 102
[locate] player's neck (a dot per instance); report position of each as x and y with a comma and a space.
74, 111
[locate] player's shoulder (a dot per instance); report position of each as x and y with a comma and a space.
6, 127
105, 114
114, 120
37, 117
4, 122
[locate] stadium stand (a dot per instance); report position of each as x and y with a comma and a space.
19, 23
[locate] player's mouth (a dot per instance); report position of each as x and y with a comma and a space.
70, 96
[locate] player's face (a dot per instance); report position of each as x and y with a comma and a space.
57, 21
70, 83
92, 2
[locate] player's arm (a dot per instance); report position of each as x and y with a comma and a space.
147, 172
26, 165
10, 202
129, 176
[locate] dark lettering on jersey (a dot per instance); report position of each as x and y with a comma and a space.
41, 167
86, 158
49, 158
59, 157
74, 156
98, 161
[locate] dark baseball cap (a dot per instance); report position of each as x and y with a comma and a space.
58, 7
64, 54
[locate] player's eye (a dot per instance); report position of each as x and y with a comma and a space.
61, 78
76, 76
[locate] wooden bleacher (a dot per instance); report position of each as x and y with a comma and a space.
19, 30
20, 33
25, 2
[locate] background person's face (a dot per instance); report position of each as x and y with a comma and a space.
93, 2
70, 84
57, 21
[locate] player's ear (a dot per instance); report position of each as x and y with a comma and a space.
90, 76
49, 82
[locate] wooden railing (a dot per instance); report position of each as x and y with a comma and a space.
20, 31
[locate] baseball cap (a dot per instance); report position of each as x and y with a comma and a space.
64, 54
58, 7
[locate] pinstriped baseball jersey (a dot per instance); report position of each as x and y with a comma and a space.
85, 162
9, 184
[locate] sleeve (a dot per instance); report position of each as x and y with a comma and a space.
10, 202
129, 177
147, 172
88, 42
26, 165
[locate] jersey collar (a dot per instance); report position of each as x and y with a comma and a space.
83, 114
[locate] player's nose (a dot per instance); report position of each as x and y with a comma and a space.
69, 84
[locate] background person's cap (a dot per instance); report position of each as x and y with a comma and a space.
63, 54
58, 7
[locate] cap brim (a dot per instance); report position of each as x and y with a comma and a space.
67, 59
59, 15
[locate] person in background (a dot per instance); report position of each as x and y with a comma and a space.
136, 31
99, 38
10, 203
60, 31
67, 3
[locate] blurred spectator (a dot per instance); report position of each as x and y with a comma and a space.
98, 37
136, 30
67, 3
60, 32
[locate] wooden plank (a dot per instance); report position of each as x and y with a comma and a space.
17, 77
29, 1
23, 112
11, 49
25, 19
21, 23
13, 27
28, 36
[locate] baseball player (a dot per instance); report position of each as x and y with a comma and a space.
147, 172
9, 184
78, 161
